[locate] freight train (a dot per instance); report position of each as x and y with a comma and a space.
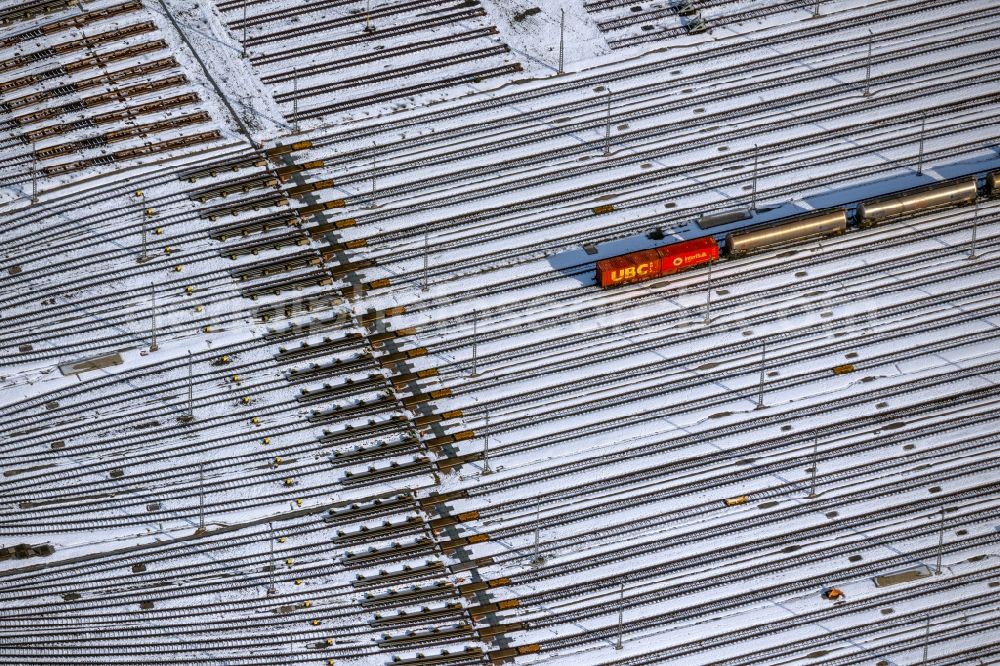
669, 259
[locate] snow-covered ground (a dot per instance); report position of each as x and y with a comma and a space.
358, 398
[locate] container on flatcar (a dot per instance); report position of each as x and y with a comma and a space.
687, 254
883, 209
648, 264
632, 267
739, 243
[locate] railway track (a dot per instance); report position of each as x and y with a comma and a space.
314, 27
657, 492
893, 132
31, 225
732, 601
279, 57
986, 627
450, 335
657, 108
261, 389
702, 60
453, 345
567, 469
625, 478
822, 616
667, 221
355, 60
846, 487
743, 350
51, 435
714, 19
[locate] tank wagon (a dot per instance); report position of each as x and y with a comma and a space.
827, 223
890, 207
649, 264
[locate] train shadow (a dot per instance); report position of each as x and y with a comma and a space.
578, 263
850, 195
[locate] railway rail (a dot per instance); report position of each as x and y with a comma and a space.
340, 394
677, 63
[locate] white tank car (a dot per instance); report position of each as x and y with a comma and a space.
827, 223
893, 206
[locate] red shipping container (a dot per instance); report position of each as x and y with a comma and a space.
648, 264
681, 256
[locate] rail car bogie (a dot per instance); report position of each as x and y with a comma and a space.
894, 206
831, 223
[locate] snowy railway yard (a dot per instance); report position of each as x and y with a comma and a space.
304, 360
